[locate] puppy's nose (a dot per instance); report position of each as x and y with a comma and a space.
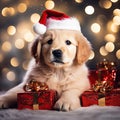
57, 53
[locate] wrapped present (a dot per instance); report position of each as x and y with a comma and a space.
105, 73
91, 97
102, 86
44, 99
36, 96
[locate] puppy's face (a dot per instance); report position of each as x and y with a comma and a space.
59, 48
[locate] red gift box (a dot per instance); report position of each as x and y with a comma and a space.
44, 99
111, 98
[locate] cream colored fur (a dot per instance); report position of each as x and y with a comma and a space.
69, 78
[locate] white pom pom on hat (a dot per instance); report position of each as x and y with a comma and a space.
55, 20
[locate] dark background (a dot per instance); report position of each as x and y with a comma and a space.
15, 40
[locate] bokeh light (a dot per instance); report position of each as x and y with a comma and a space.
11, 76
109, 46
105, 4
11, 30
22, 7
114, 1
103, 51
118, 54
6, 46
92, 55
116, 20
78, 1
25, 64
49, 4
110, 37
19, 43
116, 12
1, 58
95, 27
89, 10
112, 27
14, 62
8, 11
35, 17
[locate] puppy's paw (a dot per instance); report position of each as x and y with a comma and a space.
67, 104
3, 103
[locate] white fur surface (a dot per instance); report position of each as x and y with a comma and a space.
83, 113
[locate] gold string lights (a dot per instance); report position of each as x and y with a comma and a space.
49, 4
95, 27
34, 17
11, 76
6, 46
11, 30
8, 11
22, 7
14, 62
92, 55
118, 54
103, 51
89, 10
19, 43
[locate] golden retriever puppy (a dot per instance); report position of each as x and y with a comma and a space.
59, 58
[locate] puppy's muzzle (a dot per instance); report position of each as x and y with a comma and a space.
57, 55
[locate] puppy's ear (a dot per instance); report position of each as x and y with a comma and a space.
84, 49
36, 49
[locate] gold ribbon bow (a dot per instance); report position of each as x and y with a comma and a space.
35, 86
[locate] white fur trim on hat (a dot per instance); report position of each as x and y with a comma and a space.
67, 23
39, 28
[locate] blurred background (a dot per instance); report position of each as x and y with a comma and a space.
99, 19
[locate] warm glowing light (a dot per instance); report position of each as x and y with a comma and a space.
109, 46
11, 76
14, 62
11, 30
6, 46
28, 36
22, 7
116, 20
49, 4
1, 57
79, 1
114, 28
92, 55
8, 11
105, 4
95, 27
111, 26
116, 12
25, 65
103, 51
35, 17
118, 54
110, 38
89, 10
19, 43
114, 1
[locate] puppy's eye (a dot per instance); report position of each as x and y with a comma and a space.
68, 42
50, 41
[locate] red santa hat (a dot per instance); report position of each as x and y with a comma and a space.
55, 20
